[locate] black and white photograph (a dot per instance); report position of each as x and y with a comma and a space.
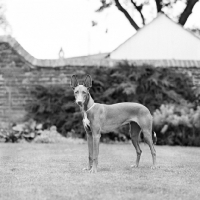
99, 99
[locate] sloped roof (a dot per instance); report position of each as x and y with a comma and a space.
167, 63
102, 59
160, 39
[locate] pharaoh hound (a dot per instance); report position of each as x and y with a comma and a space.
101, 118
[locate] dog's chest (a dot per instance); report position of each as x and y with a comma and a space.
86, 121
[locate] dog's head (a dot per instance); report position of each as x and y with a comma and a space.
81, 91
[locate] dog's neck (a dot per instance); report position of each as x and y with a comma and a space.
88, 103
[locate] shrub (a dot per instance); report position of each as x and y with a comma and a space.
177, 125
25, 131
49, 136
147, 85
54, 105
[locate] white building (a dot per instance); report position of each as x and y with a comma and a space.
162, 39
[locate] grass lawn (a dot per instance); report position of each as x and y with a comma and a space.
54, 171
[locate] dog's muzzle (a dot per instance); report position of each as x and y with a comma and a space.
80, 103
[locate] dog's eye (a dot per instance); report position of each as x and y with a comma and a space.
76, 92
84, 92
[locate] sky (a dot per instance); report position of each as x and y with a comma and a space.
43, 27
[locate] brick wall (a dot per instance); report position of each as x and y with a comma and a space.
19, 71
17, 76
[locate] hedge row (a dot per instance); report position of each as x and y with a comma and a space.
150, 86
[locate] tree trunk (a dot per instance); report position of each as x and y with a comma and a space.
188, 10
132, 22
158, 5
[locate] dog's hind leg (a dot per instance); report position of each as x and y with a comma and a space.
134, 133
146, 126
148, 139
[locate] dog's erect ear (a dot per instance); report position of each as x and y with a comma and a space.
74, 81
88, 81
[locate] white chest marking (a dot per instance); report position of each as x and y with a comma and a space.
86, 121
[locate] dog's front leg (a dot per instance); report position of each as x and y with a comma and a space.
96, 140
90, 150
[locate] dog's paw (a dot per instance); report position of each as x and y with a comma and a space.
134, 166
93, 170
86, 168
154, 167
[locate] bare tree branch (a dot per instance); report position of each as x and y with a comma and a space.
188, 10
158, 5
104, 5
139, 9
132, 22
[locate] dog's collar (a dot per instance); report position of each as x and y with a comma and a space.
91, 107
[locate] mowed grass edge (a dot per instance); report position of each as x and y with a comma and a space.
54, 171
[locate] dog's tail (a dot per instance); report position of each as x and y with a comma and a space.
154, 137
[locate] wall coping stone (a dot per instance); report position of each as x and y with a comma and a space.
92, 60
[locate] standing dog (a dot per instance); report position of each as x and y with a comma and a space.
101, 118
